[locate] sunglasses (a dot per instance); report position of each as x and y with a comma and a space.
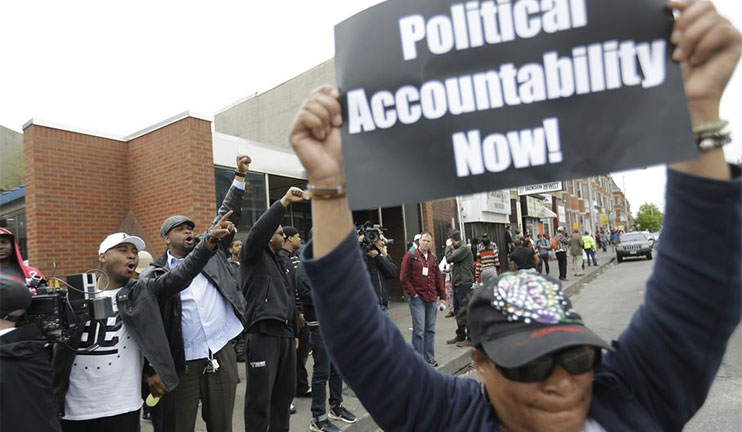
575, 360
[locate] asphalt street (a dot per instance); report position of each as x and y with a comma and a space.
606, 305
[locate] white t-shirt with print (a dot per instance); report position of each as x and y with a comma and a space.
108, 380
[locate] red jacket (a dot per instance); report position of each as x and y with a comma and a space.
414, 283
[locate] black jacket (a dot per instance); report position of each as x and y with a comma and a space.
219, 271
380, 269
265, 282
138, 304
26, 382
304, 288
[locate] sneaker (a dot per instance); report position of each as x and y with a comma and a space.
322, 426
292, 409
338, 412
463, 344
433, 363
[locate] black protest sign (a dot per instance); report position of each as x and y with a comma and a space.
444, 98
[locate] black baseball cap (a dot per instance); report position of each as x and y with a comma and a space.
289, 231
521, 316
174, 221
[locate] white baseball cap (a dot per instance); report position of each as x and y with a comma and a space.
116, 239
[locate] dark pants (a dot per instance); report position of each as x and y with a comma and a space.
460, 300
155, 415
271, 382
239, 346
302, 378
127, 422
591, 257
543, 261
216, 391
562, 260
324, 371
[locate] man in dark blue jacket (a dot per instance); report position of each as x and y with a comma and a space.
555, 379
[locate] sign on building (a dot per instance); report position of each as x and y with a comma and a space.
540, 188
498, 202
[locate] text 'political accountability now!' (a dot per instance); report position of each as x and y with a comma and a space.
444, 98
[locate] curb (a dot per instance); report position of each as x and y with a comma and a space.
574, 287
366, 423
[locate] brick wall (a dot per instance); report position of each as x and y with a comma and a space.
172, 172
76, 194
80, 188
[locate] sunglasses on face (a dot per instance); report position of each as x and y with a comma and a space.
575, 360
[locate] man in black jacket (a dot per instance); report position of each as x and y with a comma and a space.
26, 372
89, 369
271, 322
289, 257
201, 322
380, 269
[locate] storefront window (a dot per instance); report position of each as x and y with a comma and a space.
254, 203
299, 214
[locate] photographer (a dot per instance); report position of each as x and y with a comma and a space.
380, 268
98, 387
26, 372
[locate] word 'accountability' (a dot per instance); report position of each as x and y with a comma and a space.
594, 68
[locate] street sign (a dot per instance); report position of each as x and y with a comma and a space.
540, 188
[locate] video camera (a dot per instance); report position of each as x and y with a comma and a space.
62, 313
371, 234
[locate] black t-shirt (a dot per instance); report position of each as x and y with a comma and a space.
13, 270
523, 258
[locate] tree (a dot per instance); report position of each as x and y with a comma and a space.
649, 218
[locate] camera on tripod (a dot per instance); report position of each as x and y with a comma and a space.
62, 313
372, 233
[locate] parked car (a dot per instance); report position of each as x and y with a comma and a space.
633, 244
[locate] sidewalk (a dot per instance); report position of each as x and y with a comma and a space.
451, 358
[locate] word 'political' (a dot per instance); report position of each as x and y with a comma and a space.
474, 24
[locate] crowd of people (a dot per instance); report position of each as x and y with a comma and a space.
174, 324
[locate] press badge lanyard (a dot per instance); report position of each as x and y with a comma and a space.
424, 261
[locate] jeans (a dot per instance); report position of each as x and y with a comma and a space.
324, 371
591, 257
423, 327
460, 300
543, 261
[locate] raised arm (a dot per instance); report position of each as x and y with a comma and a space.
676, 340
260, 233
387, 267
455, 255
233, 200
380, 367
179, 278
